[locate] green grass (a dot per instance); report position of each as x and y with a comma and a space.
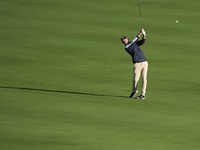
66, 78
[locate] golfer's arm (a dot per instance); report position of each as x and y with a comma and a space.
144, 36
139, 34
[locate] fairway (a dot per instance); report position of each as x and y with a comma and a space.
65, 78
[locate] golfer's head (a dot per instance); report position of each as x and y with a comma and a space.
124, 40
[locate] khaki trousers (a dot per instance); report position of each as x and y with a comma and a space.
140, 68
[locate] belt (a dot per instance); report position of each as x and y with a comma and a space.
140, 61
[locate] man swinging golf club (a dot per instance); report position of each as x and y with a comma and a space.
139, 61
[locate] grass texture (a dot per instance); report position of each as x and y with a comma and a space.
66, 78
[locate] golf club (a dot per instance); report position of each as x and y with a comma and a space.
140, 14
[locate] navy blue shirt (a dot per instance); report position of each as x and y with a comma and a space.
134, 50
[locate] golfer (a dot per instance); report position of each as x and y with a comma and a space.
139, 61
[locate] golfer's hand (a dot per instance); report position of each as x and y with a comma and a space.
143, 32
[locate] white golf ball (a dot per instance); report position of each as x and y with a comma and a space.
176, 21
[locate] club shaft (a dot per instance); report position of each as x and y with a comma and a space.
140, 14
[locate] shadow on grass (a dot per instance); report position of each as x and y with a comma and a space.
58, 91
